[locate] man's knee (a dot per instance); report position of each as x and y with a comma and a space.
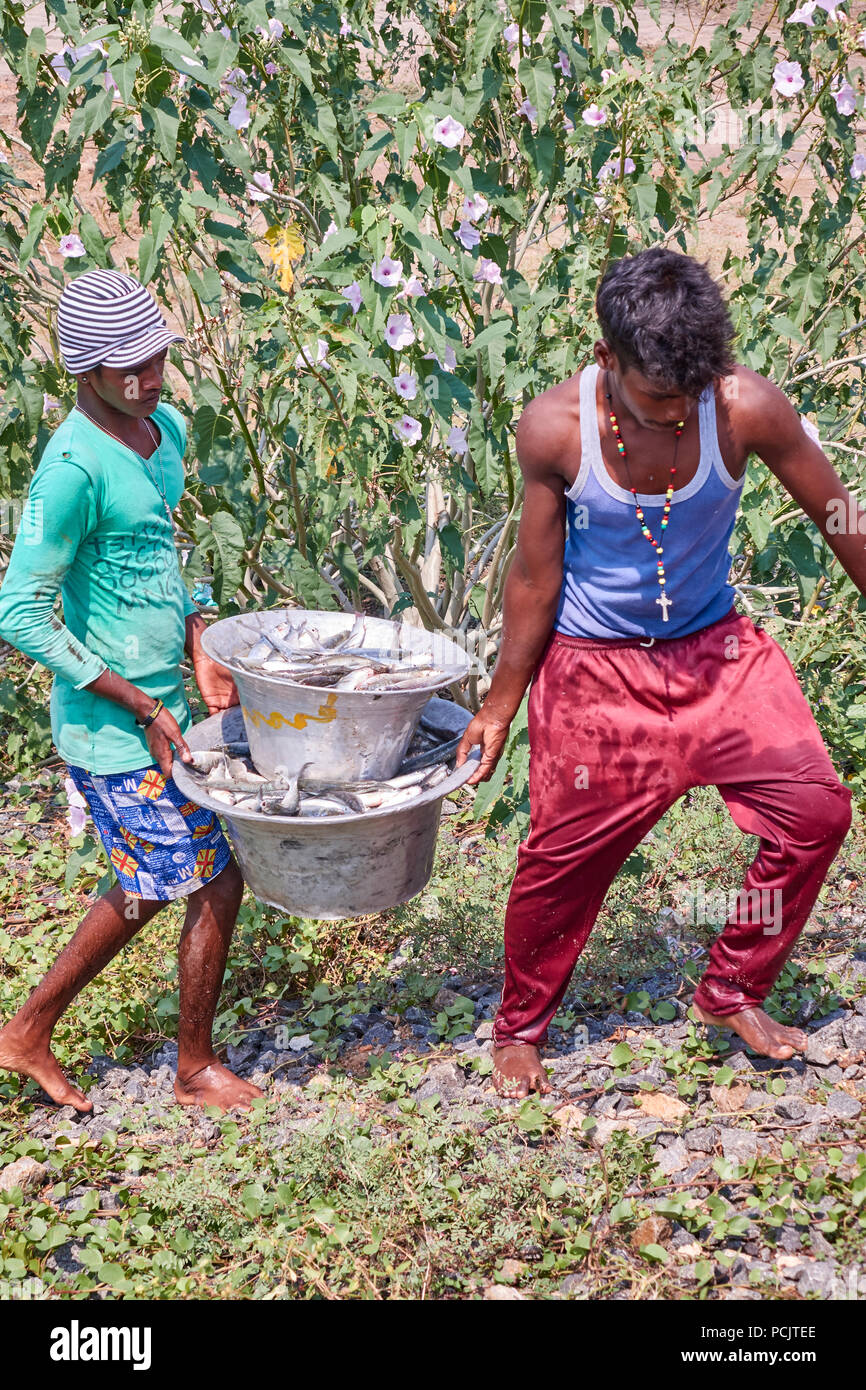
832, 813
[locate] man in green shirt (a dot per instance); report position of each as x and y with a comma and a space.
98, 529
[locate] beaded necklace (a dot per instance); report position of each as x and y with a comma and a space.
663, 599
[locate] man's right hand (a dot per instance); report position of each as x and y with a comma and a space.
160, 735
491, 732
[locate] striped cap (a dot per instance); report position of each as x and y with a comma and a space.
106, 318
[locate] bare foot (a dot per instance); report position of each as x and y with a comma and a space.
517, 1070
762, 1033
33, 1057
215, 1085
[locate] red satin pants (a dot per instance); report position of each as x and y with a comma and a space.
617, 733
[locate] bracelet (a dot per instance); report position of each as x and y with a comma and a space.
149, 718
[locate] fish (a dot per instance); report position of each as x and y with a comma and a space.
221, 795
205, 759
321, 806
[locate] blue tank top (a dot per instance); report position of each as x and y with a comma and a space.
609, 583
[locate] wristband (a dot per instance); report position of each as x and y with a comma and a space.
149, 718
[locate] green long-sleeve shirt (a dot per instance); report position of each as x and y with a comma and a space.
94, 529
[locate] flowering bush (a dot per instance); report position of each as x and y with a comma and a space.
381, 230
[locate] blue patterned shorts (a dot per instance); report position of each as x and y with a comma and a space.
160, 844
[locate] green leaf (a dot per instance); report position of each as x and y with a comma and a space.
724, 1076
163, 119
228, 566
152, 242
621, 1054
536, 77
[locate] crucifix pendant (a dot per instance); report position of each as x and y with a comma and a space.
666, 603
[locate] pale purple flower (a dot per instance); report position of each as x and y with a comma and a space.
275, 30
488, 271
594, 115
614, 166
239, 116
408, 429
804, 14
261, 187
448, 132
467, 235
406, 385
858, 166
450, 359
567, 124
59, 64
305, 359
788, 79
412, 288
271, 68
457, 441
563, 63
528, 110
110, 84
225, 31
49, 403
387, 272
233, 82
345, 27
511, 34
206, 6
832, 7
72, 246
846, 99
399, 332
353, 294
475, 205
76, 814
331, 230
607, 72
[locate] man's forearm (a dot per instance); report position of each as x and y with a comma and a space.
528, 616
117, 688
195, 626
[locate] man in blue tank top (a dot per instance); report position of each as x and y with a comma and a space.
645, 680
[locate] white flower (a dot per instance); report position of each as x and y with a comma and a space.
810, 429
803, 15
563, 63
399, 332
239, 116
408, 429
858, 166
467, 235
594, 115
510, 34
330, 231
475, 205
406, 385
528, 110
488, 271
846, 99
353, 294
345, 27
448, 132
613, 166
457, 441
788, 79
607, 72
72, 245
387, 272
261, 188
304, 357
412, 288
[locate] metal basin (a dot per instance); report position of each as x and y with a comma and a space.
344, 734
341, 866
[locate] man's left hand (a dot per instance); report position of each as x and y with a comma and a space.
215, 683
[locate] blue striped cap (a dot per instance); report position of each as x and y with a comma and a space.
106, 318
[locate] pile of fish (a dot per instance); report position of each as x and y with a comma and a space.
228, 775
342, 661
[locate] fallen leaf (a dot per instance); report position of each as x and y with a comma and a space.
689, 1252
500, 1293
662, 1106
729, 1098
571, 1116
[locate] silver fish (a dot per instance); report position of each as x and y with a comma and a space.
321, 806
205, 759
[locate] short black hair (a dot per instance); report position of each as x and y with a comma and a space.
663, 313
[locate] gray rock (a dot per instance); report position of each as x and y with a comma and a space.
413, 1015
703, 1139
573, 1284
445, 1079
790, 1108
842, 1106
673, 1158
25, 1173
738, 1146
380, 1035
854, 1033
816, 1277
134, 1090
790, 1239
484, 1031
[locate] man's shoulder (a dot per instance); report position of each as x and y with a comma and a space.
549, 424
169, 415
71, 444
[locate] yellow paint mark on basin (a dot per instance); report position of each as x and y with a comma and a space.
275, 720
